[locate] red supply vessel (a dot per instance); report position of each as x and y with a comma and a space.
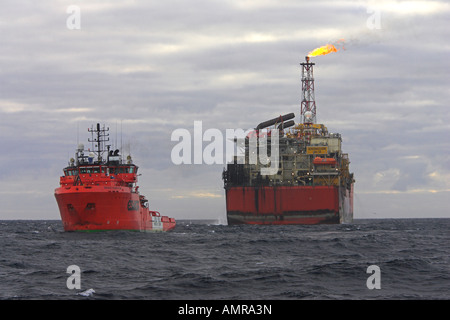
99, 192
310, 183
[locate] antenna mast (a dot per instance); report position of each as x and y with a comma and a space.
102, 137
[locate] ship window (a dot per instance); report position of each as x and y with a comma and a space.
90, 170
130, 169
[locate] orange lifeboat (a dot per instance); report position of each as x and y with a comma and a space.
321, 161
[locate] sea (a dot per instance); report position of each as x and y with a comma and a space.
379, 259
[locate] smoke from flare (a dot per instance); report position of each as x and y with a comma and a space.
323, 50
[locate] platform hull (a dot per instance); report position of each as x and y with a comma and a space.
97, 208
289, 205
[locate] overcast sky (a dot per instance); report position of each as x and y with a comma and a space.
150, 67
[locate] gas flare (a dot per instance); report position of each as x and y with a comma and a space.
326, 49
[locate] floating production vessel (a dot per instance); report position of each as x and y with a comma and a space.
311, 183
99, 192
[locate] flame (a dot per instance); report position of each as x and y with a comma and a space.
322, 50
326, 49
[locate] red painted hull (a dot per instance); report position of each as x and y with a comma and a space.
95, 208
289, 205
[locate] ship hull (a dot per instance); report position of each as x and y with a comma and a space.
98, 208
284, 205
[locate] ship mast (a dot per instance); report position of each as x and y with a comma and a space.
102, 137
308, 105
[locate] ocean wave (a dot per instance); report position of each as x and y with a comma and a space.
233, 262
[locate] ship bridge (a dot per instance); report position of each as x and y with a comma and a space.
100, 167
